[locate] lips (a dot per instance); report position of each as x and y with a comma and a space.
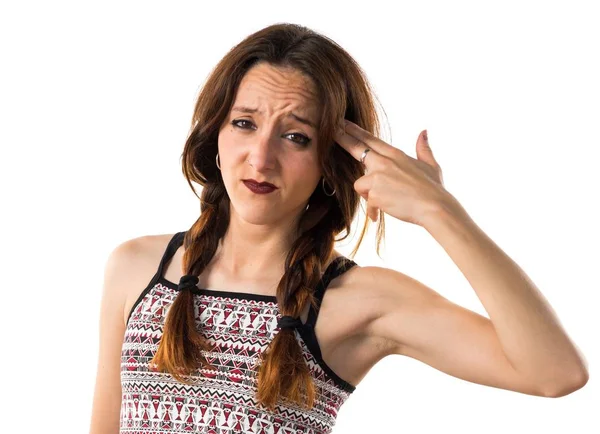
259, 184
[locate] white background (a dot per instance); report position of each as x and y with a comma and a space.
96, 100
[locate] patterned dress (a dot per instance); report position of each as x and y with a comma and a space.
240, 326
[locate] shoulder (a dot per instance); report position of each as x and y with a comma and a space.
358, 288
131, 265
136, 250
384, 290
389, 284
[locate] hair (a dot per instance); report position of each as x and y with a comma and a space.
343, 92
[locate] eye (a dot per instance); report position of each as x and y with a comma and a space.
234, 123
304, 140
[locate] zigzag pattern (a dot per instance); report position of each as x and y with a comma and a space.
221, 401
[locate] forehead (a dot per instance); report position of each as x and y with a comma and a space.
269, 88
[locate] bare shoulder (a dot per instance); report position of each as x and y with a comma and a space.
359, 291
393, 284
367, 281
129, 255
133, 263
394, 288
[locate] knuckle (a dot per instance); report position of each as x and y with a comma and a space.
386, 164
398, 153
357, 142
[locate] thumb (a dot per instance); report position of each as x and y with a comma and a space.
424, 151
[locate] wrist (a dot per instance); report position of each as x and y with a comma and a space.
447, 208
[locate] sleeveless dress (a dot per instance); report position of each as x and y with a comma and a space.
241, 325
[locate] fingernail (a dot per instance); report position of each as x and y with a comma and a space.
425, 135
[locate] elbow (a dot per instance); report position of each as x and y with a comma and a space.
575, 382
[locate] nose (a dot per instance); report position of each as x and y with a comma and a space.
262, 152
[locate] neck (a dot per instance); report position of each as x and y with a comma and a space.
254, 251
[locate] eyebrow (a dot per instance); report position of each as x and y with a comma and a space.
243, 109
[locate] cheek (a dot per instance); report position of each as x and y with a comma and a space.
226, 144
307, 175
225, 135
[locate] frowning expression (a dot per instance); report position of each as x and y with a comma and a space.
270, 135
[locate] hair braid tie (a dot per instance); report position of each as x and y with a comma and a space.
187, 282
289, 322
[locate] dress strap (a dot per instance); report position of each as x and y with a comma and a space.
172, 247
175, 242
338, 266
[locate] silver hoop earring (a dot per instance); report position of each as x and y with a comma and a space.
217, 160
326, 191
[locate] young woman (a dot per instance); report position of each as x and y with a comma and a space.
250, 321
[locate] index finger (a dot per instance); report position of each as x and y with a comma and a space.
355, 144
370, 140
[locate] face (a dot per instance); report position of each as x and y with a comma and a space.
271, 144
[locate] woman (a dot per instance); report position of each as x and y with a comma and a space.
235, 345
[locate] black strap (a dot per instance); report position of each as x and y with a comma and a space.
172, 247
338, 266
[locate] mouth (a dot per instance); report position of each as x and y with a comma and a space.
259, 187
255, 183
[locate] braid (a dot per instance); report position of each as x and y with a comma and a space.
283, 370
179, 350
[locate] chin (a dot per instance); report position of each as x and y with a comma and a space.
256, 214
259, 214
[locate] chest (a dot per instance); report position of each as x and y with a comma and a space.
342, 325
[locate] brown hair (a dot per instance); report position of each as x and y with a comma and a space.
344, 92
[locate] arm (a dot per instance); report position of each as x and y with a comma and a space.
522, 346
107, 393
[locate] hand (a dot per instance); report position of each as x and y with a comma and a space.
401, 186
